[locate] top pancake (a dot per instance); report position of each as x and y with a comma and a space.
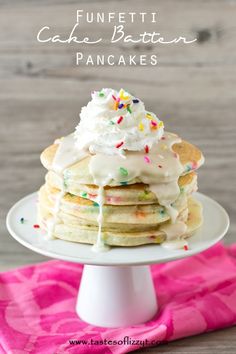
190, 157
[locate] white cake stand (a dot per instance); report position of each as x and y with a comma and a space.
116, 289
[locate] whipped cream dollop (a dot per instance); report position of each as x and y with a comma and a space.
115, 121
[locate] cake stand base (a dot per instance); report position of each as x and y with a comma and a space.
111, 296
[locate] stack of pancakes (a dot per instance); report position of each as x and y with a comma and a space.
131, 213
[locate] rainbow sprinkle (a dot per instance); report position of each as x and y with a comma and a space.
36, 226
141, 127
119, 144
147, 159
129, 109
148, 116
101, 94
123, 97
65, 182
186, 247
144, 196
188, 168
135, 100
162, 212
121, 105
146, 149
140, 214
92, 196
22, 220
116, 104
153, 123
120, 120
152, 237
160, 166
123, 171
123, 183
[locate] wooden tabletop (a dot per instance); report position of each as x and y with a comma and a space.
192, 89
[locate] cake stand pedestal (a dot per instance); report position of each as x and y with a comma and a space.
116, 296
116, 289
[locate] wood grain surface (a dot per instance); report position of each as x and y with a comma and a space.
192, 89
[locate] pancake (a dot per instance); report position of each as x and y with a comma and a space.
120, 214
88, 234
74, 221
137, 193
189, 155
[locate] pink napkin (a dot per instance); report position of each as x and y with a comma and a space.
37, 306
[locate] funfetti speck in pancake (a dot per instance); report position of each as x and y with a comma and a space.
119, 156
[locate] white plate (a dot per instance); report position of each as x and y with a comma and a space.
216, 223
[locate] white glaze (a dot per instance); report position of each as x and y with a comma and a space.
167, 193
53, 221
100, 245
171, 230
174, 244
67, 154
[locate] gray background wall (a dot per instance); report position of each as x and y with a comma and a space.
192, 89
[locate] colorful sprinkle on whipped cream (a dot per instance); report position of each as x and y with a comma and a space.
115, 121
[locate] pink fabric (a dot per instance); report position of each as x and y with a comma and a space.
37, 305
